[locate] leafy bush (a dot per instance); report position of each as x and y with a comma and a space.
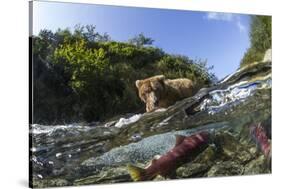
260, 39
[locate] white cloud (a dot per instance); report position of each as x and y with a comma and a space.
226, 17
220, 16
241, 27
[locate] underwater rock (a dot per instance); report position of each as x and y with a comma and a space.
225, 168
160, 178
50, 183
231, 148
58, 172
192, 170
244, 156
206, 156
253, 151
107, 175
228, 144
258, 165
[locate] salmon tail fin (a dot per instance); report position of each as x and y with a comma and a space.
137, 173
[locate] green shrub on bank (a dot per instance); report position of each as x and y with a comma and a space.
260, 39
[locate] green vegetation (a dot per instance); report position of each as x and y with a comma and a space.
260, 38
85, 76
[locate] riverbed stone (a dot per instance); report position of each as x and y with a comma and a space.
206, 156
257, 166
111, 175
50, 183
232, 148
225, 168
192, 170
160, 178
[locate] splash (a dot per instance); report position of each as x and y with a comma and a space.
223, 99
124, 121
50, 130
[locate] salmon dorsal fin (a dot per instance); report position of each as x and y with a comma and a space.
179, 139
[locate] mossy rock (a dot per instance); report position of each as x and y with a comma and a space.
227, 168
192, 170
111, 175
50, 183
230, 148
257, 166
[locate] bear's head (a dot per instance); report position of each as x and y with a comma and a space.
150, 91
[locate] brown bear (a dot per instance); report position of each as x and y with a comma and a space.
158, 92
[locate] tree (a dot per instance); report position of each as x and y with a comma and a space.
141, 40
260, 33
260, 39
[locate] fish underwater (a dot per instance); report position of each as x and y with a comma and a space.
186, 149
259, 135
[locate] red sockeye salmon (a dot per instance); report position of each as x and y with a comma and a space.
185, 150
260, 137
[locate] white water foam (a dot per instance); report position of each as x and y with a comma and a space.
234, 93
124, 121
49, 129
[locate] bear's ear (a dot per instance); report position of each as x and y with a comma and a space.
158, 82
160, 77
138, 83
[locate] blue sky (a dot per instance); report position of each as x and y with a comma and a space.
220, 38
